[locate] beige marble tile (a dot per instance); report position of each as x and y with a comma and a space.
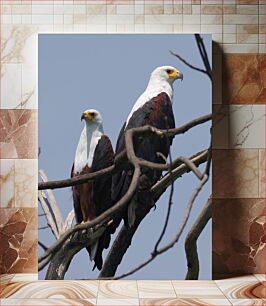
158, 28
96, 9
26, 180
247, 28
240, 19
260, 277
248, 302
211, 19
42, 9
46, 302
10, 85
120, 19
42, 19
236, 279
117, 302
229, 28
211, 9
191, 28
244, 122
5, 279
229, 38
52, 290
118, 290
25, 277
212, 28
247, 9
163, 19
7, 182
158, 289
184, 302
125, 9
153, 9
247, 38
29, 86
197, 289
19, 44
242, 290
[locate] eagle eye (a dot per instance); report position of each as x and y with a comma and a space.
169, 71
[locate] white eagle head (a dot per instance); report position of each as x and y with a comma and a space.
92, 117
166, 73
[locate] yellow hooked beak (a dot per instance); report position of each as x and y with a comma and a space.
175, 74
89, 116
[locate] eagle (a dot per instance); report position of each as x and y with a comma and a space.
154, 108
94, 152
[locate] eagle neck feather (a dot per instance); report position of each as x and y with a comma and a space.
154, 88
88, 141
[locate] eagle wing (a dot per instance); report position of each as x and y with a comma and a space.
103, 158
76, 200
157, 112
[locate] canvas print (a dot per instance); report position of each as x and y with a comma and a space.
124, 156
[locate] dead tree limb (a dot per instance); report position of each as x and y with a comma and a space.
123, 240
191, 241
136, 162
120, 159
72, 246
175, 239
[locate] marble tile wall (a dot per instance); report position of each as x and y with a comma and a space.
248, 290
238, 29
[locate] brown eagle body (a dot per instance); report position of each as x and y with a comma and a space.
93, 198
154, 108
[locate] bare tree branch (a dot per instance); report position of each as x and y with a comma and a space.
43, 227
48, 213
187, 63
170, 203
191, 241
69, 220
124, 237
177, 236
42, 245
136, 162
51, 210
47, 256
204, 55
121, 158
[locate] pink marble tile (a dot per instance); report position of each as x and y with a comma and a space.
18, 235
235, 173
238, 237
18, 134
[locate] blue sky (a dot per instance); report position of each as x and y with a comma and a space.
108, 73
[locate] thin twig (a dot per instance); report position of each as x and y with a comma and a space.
42, 245
170, 203
43, 227
188, 64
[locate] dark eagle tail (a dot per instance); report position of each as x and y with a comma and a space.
103, 243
